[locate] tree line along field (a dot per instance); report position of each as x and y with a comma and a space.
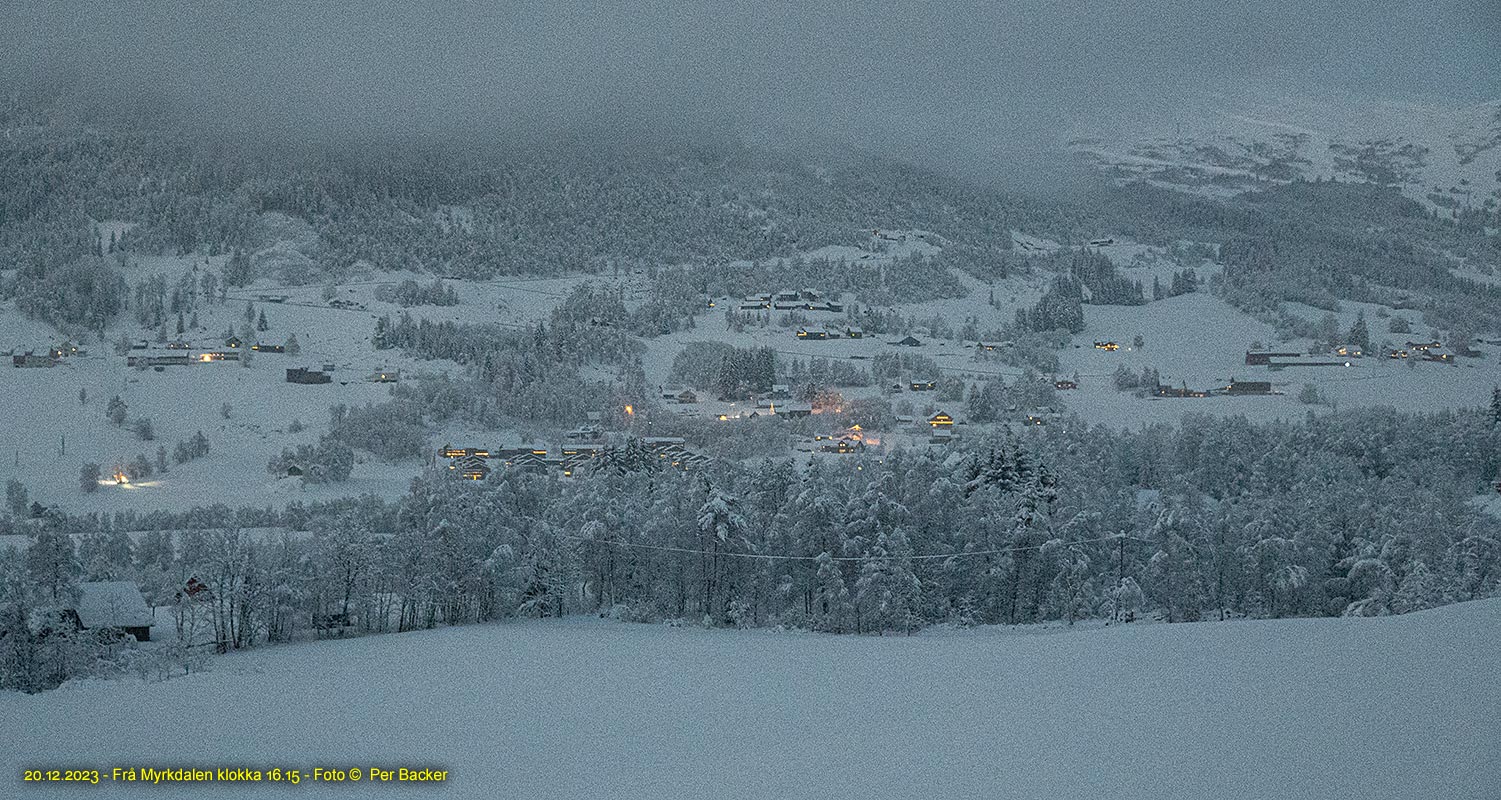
1047, 528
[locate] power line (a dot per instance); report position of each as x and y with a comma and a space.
786, 557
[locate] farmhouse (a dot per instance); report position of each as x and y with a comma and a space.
385, 376
113, 605
845, 444
449, 451
1065, 385
233, 342
853, 332
1310, 361
179, 344
158, 358
30, 359
585, 433
210, 356
308, 376
941, 420
1248, 387
1423, 346
1107, 346
686, 397
1349, 351
1264, 357
1438, 354
812, 333
261, 347
923, 385
518, 456
471, 468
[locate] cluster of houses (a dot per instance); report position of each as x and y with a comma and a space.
777, 402
1341, 357
51, 358
1425, 351
818, 334
180, 352
789, 300
1344, 355
856, 439
580, 447
1234, 388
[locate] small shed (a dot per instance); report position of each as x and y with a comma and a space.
117, 605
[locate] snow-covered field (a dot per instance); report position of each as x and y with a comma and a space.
1402, 707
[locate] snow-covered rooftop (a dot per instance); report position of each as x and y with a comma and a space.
112, 604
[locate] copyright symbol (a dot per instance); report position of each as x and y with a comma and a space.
354, 774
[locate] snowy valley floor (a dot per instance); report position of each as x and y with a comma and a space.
1404, 707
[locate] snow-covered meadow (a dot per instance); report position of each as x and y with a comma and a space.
1397, 707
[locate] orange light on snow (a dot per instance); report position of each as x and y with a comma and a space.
630, 411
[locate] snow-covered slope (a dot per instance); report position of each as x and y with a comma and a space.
1332, 708
1447, 156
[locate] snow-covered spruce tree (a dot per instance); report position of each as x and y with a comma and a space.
722, 529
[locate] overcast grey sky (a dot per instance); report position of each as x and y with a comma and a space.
906, 75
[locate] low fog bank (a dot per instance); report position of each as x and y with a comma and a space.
971, 86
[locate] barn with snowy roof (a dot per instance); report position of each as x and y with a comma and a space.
113, 605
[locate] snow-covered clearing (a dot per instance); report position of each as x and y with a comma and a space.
1221, 144
1329, 708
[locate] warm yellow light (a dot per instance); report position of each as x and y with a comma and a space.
630, 411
